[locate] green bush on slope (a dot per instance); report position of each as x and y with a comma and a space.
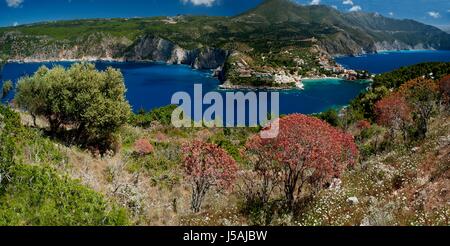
363, 106
37, 195
81, 104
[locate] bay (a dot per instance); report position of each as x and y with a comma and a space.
152, 85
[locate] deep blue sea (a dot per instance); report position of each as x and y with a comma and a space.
391, 60
152, 85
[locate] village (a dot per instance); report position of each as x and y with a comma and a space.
315, 65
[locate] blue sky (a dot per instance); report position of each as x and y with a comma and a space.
13, 12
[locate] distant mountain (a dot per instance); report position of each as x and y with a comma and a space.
445, 28
350, 33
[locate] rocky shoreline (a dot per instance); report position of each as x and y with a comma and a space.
229, 86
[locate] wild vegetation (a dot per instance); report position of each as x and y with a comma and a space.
88, 104
32, 192
6, 88
380, 163
207, 166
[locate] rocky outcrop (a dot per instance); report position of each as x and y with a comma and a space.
155, 49
398, 45
210, 58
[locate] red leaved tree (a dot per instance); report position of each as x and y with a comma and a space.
394, 112
207, 165
264, 178
307, 151
143, 147
363, 125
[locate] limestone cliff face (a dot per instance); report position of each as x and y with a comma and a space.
209, 58
151, 48
398, 45
344, 44
155, 49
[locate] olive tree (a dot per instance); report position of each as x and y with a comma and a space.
88, 103
6, 88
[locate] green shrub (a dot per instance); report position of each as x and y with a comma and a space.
363, 106
3, 59
331, 116
9, 126
7, 87
162, 115
225, 143
90, 103
38, 196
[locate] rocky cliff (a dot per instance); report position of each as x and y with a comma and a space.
152, 48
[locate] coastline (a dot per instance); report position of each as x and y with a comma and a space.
225, 86
383, 51
88, 59
322, 78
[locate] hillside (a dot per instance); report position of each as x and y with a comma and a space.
398, 179
278, 38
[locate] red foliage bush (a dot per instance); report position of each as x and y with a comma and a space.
264, 178
363, 125
207, 165
143, 147
394, 111
306, 151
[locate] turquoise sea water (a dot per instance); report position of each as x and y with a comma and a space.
152, 85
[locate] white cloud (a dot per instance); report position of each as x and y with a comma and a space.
16, 23
391, 14
355, 8
334, 6
315, 2
347, 2
14, 3
207, 3
434, 14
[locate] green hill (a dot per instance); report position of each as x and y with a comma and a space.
278, 35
